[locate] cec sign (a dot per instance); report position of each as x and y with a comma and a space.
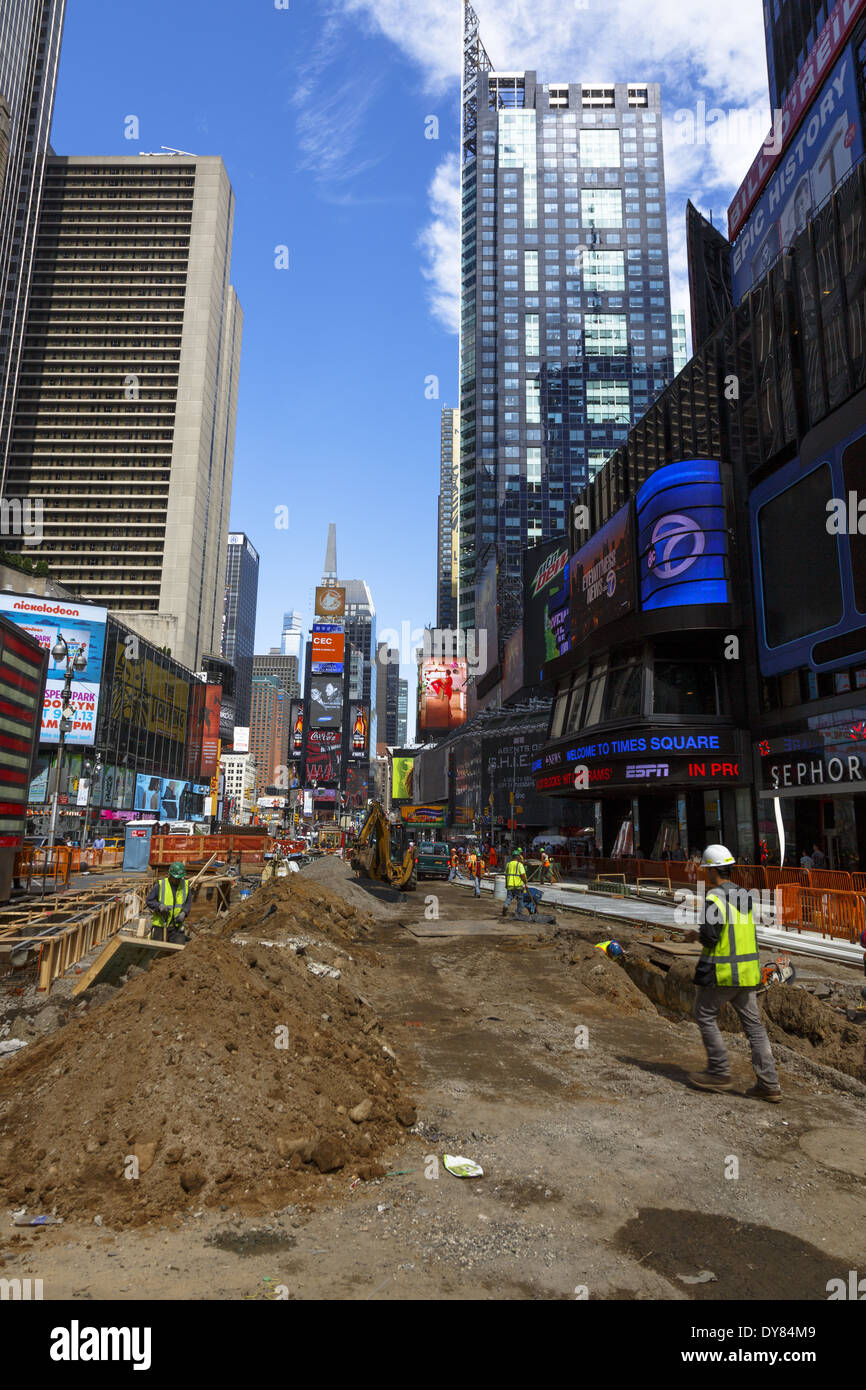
328, 647
83, 628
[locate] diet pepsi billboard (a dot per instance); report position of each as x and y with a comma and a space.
682, 536
819, 155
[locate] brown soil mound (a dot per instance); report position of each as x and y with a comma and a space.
607, 979
804, 1023
338, 876
182, 1071
294, 906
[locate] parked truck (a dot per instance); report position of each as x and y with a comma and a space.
23, 667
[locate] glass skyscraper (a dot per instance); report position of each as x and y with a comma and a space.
565, 303
239, 618
30, 34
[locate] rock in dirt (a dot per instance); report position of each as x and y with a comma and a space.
329, 1155
360, 1112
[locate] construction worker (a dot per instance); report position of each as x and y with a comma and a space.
729, 971
515, 884
471, 860
478, 874
546, 868
455, 862
170, 900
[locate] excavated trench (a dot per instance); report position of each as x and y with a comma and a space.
820, 1031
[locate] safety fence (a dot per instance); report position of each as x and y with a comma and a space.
755, 877
826, 911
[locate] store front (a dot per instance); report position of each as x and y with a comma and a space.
813, 792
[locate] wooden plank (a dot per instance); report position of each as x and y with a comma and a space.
120, 953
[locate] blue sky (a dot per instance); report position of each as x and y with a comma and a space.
319, 112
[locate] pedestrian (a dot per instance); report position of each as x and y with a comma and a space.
818, 859
492, 859
98, 848
729, 971
806, 861
454, 862
170, 901
479, 874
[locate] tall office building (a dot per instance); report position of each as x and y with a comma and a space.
284, 670
565, 318
265, 723
387, 699
125, 417
790, 29
402, 711
292, 638
680, 342
30, 34
447, 533
239, 617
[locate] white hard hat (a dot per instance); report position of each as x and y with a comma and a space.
716, 855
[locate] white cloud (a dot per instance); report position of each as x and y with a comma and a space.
708, 55
440, 244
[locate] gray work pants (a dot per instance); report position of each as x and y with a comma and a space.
708, 1001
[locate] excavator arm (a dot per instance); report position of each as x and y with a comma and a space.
372, 854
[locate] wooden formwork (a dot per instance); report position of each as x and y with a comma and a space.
71, 926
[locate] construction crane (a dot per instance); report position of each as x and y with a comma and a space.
378, 853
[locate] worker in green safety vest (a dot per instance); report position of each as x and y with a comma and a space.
170, 900
729, 971
515, 885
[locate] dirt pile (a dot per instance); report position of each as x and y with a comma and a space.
607, 979
225, 1076
295, 906
339, 877
813, 1028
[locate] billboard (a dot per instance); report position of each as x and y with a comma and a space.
512, 665
328, 646
602, 577
801, 98
330, 602
682, 536
323, 755
241, 742
829, 144
546, 633
326, 702
211, 731
423, 815
357, 789
83, 627
442, 694
402, 777
296, 736
487, 611
359, 731
171, 798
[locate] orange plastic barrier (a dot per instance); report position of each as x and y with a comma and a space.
859, 882
828, 911
776, 877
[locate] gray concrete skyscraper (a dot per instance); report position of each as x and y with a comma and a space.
125, 417
239, 618
565, 310
30, 34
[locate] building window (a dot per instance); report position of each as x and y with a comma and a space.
601, 207
603, 270
605, 335
599, 149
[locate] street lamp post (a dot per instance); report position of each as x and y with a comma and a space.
78, 662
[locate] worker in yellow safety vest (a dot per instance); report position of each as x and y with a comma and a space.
729, 971
170, 901
515, 885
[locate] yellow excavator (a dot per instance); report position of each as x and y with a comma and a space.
379, 853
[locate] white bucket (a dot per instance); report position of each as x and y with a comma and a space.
499, 888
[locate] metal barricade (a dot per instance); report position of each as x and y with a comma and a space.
839, 880
827, 911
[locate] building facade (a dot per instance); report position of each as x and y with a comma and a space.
239, 798
387, 697
448, 530
30, 37
284, 670
565, 319
239, 618
265, 728
125, 415
402, 711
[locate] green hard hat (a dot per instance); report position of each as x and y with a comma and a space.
177, 870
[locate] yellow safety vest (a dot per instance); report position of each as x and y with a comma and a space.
168, 897
735, 955
515, 874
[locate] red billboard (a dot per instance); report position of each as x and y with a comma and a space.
442, 694
328, 646
603, 577
210, 739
